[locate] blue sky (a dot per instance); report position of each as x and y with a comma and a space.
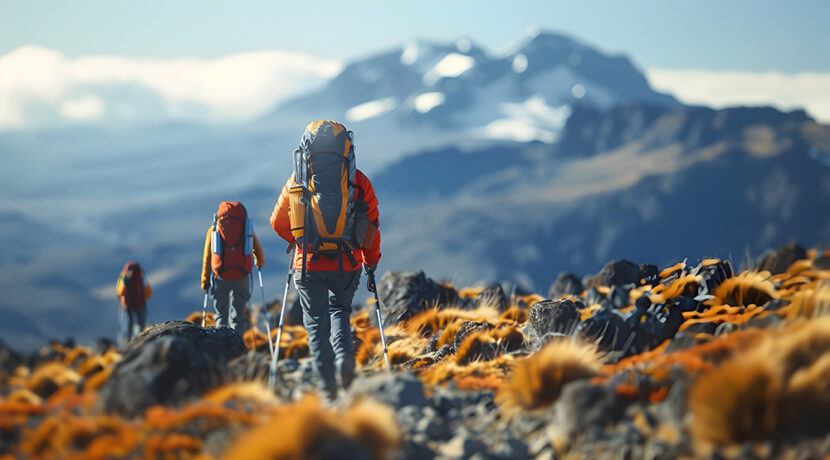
704, 34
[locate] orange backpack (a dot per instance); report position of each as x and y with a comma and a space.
132, 279
232, 242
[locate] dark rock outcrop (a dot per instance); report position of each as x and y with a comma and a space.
551, 317
169, 364
405, 294
397, 390
493, 296
779, 262
565, 284
616, 273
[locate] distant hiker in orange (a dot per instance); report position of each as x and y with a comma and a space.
329, 209
231, 246
133, 290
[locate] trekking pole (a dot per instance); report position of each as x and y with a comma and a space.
373, 288
265, 308
272, 376
204, 308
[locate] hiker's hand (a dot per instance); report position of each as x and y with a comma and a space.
369, 269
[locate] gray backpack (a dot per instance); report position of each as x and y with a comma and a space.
323, 196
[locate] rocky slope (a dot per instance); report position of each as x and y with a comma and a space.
685, 361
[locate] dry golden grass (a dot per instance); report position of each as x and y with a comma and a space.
196, 318
443, 372
477, 346
778, 388
51, 376
255, 339
538, 379
254, 392
683, 286
744, 289
515, 315
94, 437
305, 430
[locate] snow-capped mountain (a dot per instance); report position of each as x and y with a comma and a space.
524, 93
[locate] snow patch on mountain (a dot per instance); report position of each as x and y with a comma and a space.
531, 120
451, 66
425, 102
371, 109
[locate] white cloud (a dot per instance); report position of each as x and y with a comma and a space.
87, 107
807, 90
41, 86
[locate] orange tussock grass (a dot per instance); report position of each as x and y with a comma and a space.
696, 358
489, 382
508, 338
254, 392
21, 395
433, 320
683, 286
474, 347
537, 380
296, 349
171, 445
402, 348
196, 318
445, 371
208, 414
469, 293
305, 430
77, 354
515, 314
778, 388
49, 377
95, 437
809, 303
448, 335
370, 339
744, 289
723, 313
95, 382
669, 270
528, 300
255, 339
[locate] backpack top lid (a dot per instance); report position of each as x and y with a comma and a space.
327, 136
231, 208
130, 268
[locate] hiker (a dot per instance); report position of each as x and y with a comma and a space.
333, 237
133, 290
231, 247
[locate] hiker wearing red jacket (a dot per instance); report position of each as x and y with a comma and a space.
133, 290
231, 250
329, 211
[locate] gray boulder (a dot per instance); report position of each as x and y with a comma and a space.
616, 273
397, 390
405, 294
565, 284
551, 317
169, 364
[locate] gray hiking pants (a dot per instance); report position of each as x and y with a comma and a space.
326, 319
227, 313
136, 315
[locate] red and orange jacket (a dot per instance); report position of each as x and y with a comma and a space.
121, 289
259, 258
282, 225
